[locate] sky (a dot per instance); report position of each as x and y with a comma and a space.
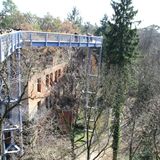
90, 10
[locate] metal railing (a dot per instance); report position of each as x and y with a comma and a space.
11, 41
59, 37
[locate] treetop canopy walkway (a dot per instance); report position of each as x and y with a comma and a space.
11, 41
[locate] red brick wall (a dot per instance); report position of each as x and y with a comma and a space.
34, 95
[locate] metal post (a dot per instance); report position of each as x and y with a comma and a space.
58, 40
19, 40
87, 106
30, 38
46, 39
12, 42
0, 50
98, 83
8, 99
88, 68
19, 71
99, 67
19, 94
3, 145
4, 157
70, 39
79, 41
1, 87
90, 111
9, 76
15, 41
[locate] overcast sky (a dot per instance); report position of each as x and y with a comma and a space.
90, 10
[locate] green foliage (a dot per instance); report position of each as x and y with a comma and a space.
88, 28
146, 151
101, 31
121, 37
103, 28
11, 17
9, 7
31, 18
74, 17
119, 100
8, 13
46, 23
121, 42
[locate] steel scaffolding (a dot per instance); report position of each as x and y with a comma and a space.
92, 86
10, 107
11, 113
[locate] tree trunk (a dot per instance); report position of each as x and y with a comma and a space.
116, 132
131, 142
72, 136
117, 110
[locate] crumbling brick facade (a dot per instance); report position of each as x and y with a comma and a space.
42, 82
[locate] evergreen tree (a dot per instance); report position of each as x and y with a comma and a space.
103, 28
121, 38
75, 17
88, 28
121, 43
101, 31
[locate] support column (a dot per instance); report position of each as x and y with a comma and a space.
87, 99
91, 99
100, 63
9, 77
18, 57
6, 100
88, 68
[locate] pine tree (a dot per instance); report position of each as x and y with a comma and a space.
101, 31
121, 44
104, 25
75, 17
122, 37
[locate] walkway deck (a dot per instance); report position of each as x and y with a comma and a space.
11, 41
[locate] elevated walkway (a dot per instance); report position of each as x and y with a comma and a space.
12, 141
14, 40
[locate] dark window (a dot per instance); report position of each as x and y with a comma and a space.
47, 102
51, 79
47, 80
56, 76
50, 101
59, 72
39, 85
39, 105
